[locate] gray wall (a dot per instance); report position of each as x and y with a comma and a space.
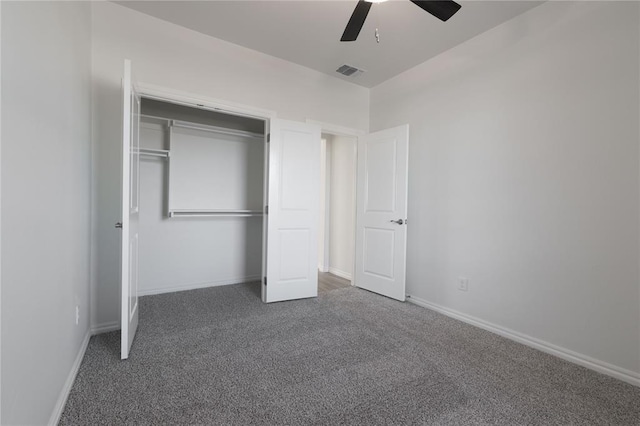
46, 133
523, 177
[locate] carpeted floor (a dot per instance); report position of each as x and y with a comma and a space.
220, 356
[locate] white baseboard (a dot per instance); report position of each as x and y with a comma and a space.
105, 327
341, 274
66, 389
195, 286
566, 354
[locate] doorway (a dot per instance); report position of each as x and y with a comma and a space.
336, 241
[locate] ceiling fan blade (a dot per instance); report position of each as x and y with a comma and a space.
441, 9
356, 21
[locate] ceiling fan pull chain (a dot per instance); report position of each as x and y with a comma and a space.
377, 34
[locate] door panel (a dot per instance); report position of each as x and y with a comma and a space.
130, 210
292, 222
294, 250
381, 202
381, 178
379, 254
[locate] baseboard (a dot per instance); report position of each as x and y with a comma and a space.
566, 354
66, 389
341, 274
196, 286
105, 327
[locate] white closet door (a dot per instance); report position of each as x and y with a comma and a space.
130, 210
292, 222
381, 223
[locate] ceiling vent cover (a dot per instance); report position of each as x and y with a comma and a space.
349, 71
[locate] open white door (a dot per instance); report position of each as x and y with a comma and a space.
381, 219
293, 204
130, 210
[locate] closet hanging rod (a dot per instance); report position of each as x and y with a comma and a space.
163, 153
150, 154
204, 127
214, 213
215, 129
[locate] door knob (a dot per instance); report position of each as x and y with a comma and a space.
399, 221
119, 225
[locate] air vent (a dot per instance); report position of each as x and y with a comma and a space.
349, 71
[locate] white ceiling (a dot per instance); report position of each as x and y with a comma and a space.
308, 32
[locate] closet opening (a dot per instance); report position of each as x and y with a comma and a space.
201, 198
336, 239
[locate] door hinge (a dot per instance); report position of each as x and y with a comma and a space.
265, 280
266, 209
268, 137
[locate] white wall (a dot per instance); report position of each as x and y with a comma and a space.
323, 217
46, 175
524, 177
170, 56
342, 205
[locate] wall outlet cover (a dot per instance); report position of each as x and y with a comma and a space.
463, 284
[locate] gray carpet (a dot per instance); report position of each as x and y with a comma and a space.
220, 356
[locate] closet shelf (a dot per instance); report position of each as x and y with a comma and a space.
214, 129
204, 127
215, 213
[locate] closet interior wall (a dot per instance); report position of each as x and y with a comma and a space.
206, 174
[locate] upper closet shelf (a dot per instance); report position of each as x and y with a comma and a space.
206, 128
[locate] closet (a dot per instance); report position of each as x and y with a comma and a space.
213, 195
201, 198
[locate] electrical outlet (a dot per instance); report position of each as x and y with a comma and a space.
77, 315
463, 284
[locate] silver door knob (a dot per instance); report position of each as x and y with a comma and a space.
399, 221
119, 225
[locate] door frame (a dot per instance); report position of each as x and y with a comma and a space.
337, 130
159, 93
325, 170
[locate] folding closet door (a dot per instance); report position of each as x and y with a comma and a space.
130, 210
293, 204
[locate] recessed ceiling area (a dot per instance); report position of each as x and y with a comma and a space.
308, 32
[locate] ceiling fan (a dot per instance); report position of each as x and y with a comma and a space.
441, 9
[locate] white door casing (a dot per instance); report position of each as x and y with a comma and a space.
292, 222
381, 228
130, 210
